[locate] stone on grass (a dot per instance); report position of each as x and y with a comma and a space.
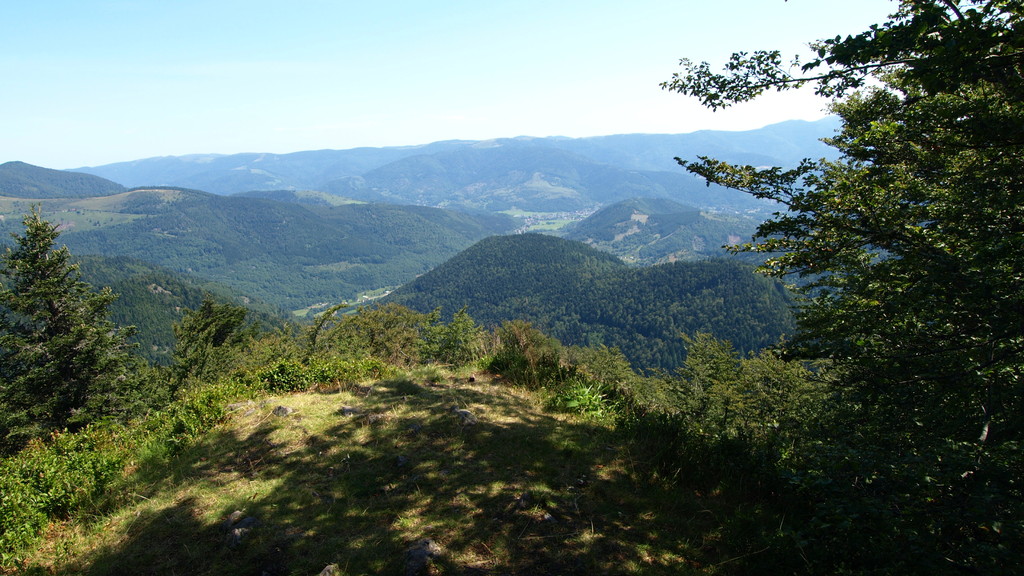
238, 526
466, 418
419, 556
283, 411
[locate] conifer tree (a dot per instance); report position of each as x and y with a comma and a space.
62, 362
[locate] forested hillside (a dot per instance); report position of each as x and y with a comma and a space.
153, 299
289, 255
583, 296
653, 230
21, 180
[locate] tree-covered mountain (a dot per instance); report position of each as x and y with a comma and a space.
289, 255
654, 230
153, 299
585, 296
533, 174
21, 180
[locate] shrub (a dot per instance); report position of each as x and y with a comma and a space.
294, 376
525, 355
578, 394
458, 342
54, 479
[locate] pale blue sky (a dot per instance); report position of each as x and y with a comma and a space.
90, 82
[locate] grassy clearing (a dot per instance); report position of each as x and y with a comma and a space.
353, 477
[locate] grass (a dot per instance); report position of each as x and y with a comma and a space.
354, 477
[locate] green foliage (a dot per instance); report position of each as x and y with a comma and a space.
52, 480
319, 374
389, 332
726, 418
579, 394
458, 342
525, 355
153, 299
585, 297
209, 338
912, 242
62, 362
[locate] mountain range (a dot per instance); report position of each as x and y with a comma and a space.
532, 174
287, 254
309, 229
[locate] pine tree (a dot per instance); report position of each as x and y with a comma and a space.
62, 362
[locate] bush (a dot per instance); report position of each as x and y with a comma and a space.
458, 342
294, 376
54, 479
525, 356
578, 394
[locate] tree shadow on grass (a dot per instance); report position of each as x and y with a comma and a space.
359, 477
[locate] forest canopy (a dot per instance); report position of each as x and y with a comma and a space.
913, 246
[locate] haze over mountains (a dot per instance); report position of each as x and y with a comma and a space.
541, 174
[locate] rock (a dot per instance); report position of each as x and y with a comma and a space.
283, 411
239, 406
238, 527
414, 428
465, 416
350, 411
419, 555
523, 501
232, 519
401, 461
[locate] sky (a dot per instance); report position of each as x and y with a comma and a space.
93, 82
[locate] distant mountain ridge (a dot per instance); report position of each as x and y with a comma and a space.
21, 180
529, 173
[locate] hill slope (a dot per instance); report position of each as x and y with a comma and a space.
361, 478
289, 255
153, 299
653, 230
21, 180
587, 297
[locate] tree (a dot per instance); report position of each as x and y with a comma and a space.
913, 241
912, 249
458, 342
207, 337
62, 362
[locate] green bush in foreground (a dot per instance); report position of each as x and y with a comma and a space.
53, 480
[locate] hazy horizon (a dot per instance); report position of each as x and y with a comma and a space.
118, 80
